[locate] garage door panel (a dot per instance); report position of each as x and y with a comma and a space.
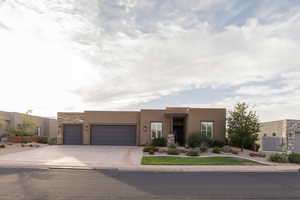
113, 135
72, 134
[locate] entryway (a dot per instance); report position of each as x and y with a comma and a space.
179, 130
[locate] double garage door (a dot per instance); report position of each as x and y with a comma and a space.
123, 135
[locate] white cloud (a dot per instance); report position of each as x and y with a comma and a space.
111, 54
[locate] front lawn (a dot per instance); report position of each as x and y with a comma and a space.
169, 160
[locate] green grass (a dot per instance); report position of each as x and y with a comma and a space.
169, 160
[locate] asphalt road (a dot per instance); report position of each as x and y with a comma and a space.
61, 184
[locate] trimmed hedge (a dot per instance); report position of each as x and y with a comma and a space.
279, 157
159, 142
197, 138
294, 158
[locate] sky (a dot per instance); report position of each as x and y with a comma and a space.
76, 55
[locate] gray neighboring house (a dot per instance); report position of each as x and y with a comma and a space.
281, 135
45, 126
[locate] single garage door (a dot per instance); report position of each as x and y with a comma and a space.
72, 134
113, 135
297, 142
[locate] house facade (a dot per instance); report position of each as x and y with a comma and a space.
139, 127
45, 126
281, 135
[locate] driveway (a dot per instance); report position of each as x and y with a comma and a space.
75, 156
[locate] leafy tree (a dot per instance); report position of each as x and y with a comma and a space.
1, 124
243, 126
26, 128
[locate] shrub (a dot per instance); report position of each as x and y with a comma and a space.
149, 148
197, 138
294, 158
2, 146
43, 140
279, 157
203, 148
152, 151
159, 142
218, 143
192, 152
235, 152
216, 150
172, 146
52, 141
172, 151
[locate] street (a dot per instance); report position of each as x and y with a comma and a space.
40, 184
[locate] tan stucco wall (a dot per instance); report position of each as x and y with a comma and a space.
218, 116
148, 116
268, 128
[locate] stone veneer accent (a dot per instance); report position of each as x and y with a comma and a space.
69, 118
293, 126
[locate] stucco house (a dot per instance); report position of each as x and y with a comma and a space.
45, 126
139, 127
281, 135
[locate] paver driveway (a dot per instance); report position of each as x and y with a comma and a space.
78, 156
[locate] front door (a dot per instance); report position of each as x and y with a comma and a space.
178, 130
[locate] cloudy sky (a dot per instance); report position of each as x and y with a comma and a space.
75, 55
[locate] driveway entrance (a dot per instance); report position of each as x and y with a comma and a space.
76, 156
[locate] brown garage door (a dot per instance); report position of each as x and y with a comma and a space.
113, 135
72, 134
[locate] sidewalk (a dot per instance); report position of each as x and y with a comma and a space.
160, 168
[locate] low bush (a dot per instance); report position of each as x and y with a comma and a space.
149, 148
172, 146
203, 148
43, 140
151, 151
159, 142
294, 158
2, 146
216, 150
218, 143
197, 138
172, 151
52, 141
192, 152
279, 157
235, 152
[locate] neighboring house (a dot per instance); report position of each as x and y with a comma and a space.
139, 127
45, 126
282, 135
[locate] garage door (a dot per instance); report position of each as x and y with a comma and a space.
297, 149
72, 134
113, 135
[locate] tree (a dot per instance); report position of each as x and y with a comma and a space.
1, 124
243, 126
26, 128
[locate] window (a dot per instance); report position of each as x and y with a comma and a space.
207, 128
156, 129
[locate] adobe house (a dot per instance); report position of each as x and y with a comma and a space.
130, 128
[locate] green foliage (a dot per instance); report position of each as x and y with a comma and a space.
149, 148
172, 146
192, 152
243, 126
216, 150
26, 127
203, 148
159, 142
279, 157
294, 158
43, 140
218, 143
52, 141
1, 124
172, 151
197, 138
